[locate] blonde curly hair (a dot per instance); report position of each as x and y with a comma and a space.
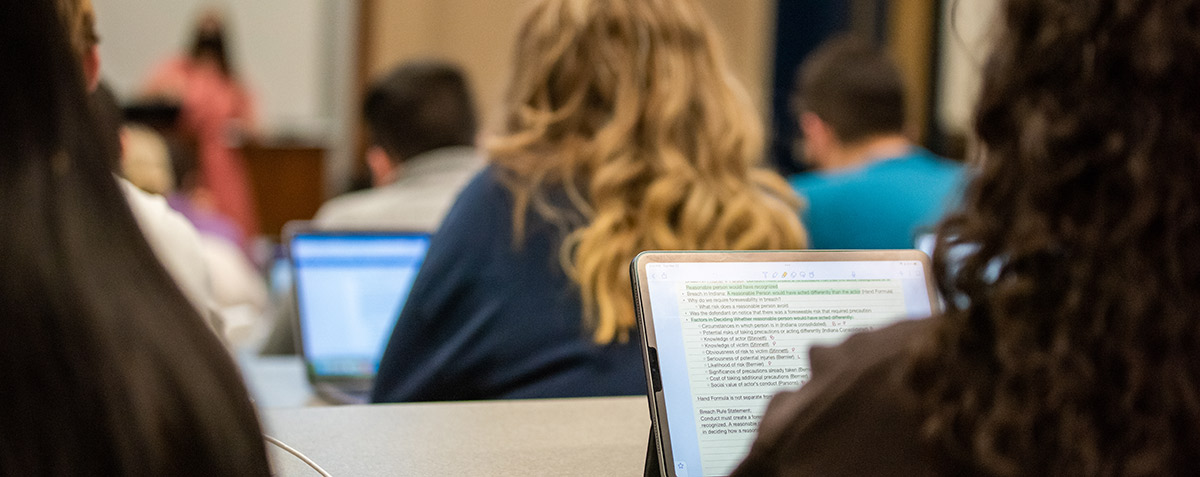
628, 107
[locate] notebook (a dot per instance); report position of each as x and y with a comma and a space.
724, 331
350, 287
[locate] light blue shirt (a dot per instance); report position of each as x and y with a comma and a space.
880, 205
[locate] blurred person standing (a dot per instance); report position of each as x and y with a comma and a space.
218, 112
624, 131
872, 187
422, 124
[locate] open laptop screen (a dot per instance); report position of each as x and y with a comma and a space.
350, 287
727, 330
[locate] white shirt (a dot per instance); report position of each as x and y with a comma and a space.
176, 244
418, 200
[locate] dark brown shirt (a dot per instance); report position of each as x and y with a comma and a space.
854, 418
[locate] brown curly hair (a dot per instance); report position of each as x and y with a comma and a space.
1070, 344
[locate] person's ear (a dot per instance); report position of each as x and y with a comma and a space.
91, 67
819, 140
383, 170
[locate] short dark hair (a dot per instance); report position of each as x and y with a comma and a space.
418, 107
853, 87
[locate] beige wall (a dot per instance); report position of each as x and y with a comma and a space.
911, 44
479, 35
748, 29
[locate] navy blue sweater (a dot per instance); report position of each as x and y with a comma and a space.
488, 320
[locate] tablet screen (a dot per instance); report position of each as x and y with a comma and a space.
729, 335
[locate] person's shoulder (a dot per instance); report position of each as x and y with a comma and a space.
168, 70
349, 199
873, 348
443, 160
346, 205
485, 203
487, 189
440, 174
804, 180
174, 63
927, 159
816, 183
837, 370
854, 417
489, 179
156, 217
826, 191
174, 241
466, 157
465, 164
840, 369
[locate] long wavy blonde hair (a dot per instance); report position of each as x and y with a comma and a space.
628, 108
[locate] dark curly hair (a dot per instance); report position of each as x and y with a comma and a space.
1071, 340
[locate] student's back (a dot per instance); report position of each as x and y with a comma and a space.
494, 320
883, 204
622, 133
871, 187
421, 119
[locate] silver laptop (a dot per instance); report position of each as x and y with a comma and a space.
349, 288
724, 331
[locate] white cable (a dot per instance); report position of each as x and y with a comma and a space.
298, 455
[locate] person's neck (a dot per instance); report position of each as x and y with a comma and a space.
870, 150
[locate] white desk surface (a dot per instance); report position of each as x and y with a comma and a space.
559, 437
277, 381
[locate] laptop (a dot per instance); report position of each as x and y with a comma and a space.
350, 287
722, 332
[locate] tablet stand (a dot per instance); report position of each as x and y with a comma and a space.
652, 468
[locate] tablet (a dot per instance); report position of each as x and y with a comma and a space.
722, 332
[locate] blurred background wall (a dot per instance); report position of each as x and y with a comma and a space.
479, 34
309, 60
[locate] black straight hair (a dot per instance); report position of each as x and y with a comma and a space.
107, 368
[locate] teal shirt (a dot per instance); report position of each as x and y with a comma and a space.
880, 205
